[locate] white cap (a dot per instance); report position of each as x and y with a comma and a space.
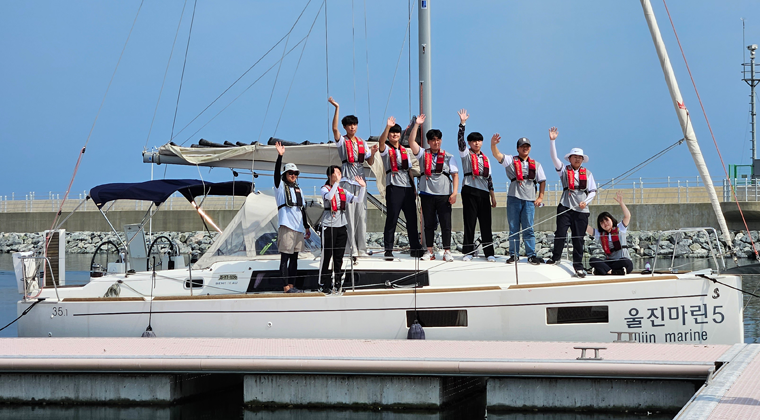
576, 151
291, 167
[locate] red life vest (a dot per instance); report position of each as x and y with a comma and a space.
615, 241
392, 157
350, 150
341, 193
476, 168
571, 178
438, 162
519, 176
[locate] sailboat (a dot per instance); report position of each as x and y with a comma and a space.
229, 291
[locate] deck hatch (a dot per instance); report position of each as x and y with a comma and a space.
577, 315
442, 318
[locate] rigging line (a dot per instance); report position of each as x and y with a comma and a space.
366, 55
725, 171
241, 94
184, 64
408, 22
274, 85
327, 78
296, 70
166, 72
239, 78
277, 77
353, 51
89, 135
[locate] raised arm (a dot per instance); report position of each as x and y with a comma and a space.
553, 133
278, 164
384, 136
335, 128
413, 136
626, 212
495, 139
463, 116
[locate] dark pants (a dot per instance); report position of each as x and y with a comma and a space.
398, 199
432, 206
476, 207
289, 270
577, 222
334, 244
601, 267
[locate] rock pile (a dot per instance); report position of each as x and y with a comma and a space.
641, 244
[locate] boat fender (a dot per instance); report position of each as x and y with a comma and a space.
415, 332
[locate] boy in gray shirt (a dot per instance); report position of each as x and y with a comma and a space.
525, 175
438, 186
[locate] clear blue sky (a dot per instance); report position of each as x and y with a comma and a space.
519, 67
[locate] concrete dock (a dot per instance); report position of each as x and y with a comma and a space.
382, 373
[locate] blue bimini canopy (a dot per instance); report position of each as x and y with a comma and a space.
160, 190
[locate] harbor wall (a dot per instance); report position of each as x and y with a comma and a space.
645, 217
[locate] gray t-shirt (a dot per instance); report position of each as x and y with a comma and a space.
621, 253
335, 218
484, 183
437, 183
573, 198
525, 189
351, 170
401, 177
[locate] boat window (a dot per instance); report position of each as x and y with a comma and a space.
197, 282
457, 318
234, 244
577, 315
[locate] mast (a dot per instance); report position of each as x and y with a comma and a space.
426, 94
683, 117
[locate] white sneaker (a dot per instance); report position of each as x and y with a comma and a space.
447, 256
491, 259
467, 257
426, 256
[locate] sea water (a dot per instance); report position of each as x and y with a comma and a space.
226, 405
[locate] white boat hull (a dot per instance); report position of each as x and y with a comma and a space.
490, 306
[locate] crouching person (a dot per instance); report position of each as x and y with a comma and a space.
294, 227
334, 222
612, 236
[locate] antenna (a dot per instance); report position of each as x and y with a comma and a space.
752, 81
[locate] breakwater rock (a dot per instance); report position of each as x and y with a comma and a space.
641, 244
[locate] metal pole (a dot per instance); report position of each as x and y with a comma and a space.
752, 82
683, 116
426, 91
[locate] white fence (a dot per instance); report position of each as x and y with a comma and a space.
635, 191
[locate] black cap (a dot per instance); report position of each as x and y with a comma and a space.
523, 140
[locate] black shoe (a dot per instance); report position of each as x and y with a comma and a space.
619, 272
581, 273
534, 260
511, 259
551, 261
416, 253
388, 255
325, 289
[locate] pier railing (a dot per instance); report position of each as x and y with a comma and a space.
635, 191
